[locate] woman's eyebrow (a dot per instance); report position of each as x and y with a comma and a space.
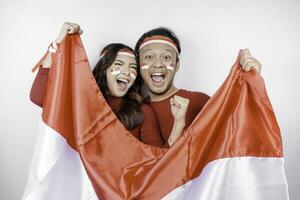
133, 64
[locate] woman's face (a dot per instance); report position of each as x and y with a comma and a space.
121, 75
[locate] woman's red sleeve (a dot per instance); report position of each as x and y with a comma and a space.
38, 88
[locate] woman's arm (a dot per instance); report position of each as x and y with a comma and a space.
38, 88
39, 85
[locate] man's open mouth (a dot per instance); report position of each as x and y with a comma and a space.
122, 83
158, 77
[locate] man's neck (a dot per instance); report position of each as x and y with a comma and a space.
160, 97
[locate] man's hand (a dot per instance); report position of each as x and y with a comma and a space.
179, 107
248, 62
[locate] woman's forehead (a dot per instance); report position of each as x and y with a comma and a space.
125, 59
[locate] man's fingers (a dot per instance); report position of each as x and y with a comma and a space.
244, 52
246, 68
182, 102
171, 101
247, 59
181, 99
176, 104
253, 65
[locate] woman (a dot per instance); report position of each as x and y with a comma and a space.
115, 73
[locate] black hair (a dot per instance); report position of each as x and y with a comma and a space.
129, 112
161, 31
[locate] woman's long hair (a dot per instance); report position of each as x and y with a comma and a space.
129, 112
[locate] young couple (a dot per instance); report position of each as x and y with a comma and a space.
159, 117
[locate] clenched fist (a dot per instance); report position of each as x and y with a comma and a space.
248, 62
179, 106
68, 28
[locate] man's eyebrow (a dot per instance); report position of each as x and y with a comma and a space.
119, 61
146, 50
169, 50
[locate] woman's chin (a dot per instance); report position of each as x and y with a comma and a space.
120, 93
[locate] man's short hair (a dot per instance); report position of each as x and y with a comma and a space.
161, 31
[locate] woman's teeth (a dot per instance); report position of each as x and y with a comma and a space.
157, 77
122, 83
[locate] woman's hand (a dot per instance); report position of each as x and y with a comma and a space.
68, 28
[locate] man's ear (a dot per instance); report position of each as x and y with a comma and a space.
177, 65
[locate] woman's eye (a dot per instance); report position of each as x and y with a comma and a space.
118, 64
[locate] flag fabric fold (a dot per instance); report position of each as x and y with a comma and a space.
232, 150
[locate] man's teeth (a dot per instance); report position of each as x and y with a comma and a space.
157, 74
157, 77
123, 80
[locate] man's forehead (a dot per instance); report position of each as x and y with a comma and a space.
157, 47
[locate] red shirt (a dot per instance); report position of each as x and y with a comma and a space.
148, 132
164, 114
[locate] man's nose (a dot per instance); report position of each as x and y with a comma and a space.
158, 63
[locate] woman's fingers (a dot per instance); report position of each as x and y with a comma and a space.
72, 28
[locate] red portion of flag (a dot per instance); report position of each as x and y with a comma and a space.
237, 121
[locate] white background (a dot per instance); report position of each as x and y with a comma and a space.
211, 33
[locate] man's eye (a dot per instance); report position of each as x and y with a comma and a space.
118, 64
167, 57
148, 57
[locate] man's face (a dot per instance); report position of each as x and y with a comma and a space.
158, 67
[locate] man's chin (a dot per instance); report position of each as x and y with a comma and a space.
158, 90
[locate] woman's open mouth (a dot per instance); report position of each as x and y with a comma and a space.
122, 83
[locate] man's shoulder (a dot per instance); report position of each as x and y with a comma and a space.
192, 94
197, 99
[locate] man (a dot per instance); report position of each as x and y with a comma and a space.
159, 51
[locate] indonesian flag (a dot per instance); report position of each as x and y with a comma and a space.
231, 151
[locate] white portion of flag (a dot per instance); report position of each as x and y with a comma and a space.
56, 172
237, 178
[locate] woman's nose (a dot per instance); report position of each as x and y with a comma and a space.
125, 70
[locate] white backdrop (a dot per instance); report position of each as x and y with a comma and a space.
211, 33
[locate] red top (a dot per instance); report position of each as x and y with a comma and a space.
164, 114
148, 132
